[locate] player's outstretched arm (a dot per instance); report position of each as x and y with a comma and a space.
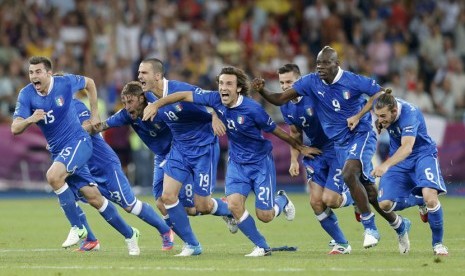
151, 110
219, 129
294, 168
304, 150
19, 125
258, 85
93, 101
353, 121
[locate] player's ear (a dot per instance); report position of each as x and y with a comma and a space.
239, 89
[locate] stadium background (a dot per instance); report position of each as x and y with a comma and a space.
415, 46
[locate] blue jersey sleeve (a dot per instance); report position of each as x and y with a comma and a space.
303, 85
77, 82
366, 85
264, 120
23, 106
284, 112
82, 111
120, 118
408, 123
206, 97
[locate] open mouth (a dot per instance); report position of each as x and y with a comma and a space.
36, 84
224, 96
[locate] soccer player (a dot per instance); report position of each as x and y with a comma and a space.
327, 190
156, 136
250, 166
113, 184
47, 102
413, 166
341, 108
194, 153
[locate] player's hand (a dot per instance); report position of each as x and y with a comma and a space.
352, 122
150, 111
39, 114
219, 129
294, 169
380, 170
309, 151
94, 120
258, 84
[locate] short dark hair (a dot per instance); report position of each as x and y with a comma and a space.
289, 67
157, 65
133, 88
386, 99
40, 59
242, 78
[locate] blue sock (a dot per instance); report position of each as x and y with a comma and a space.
280, 201
415, 201
328, 221
405, 203
146, 213
82, 216
368, 221
68, 204
221, 208
248, 227
170, 224
436, 223
180, 222
111, 215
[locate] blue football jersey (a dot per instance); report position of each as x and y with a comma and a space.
155, 134
60, 124
337, 102
190, 123
302, 115
244, 125
410, 122
102, 155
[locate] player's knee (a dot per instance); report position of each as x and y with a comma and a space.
386, 205
317, 204
55, 179
431, 202
331, 201
92, 196
265, 216
168, 199
351, 172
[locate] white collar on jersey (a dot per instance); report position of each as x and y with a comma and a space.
50, 87
337, 77
399, 110
165, 87
296, 100
238, 102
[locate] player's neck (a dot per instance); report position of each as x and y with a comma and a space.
159, 88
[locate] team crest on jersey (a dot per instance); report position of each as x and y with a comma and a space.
60, 101
346, 94
240, 120
178, 107
309, 111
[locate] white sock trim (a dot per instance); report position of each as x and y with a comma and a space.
137, 208
367, 217
166, 217
169, 206
104, 206
215, 206
276, 210
434, 209
344, 200
62, 189
244, 216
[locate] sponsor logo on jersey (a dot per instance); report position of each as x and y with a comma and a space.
321, 93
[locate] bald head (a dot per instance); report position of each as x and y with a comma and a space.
327, 64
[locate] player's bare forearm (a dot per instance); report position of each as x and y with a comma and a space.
296, 134
19, 125
93, 100
402, 152
151, 110
258, 85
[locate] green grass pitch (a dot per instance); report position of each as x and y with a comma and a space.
32, 230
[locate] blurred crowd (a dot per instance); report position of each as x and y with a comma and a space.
417, 47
